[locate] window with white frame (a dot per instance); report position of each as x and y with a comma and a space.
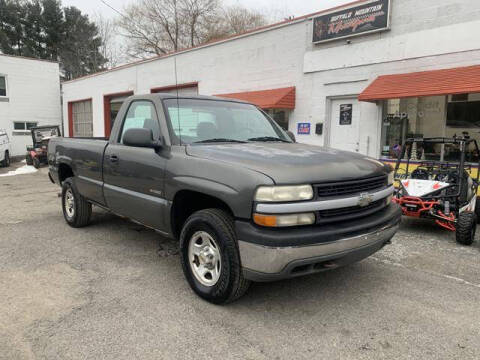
23, 125
3, 86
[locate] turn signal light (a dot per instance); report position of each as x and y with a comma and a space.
284, 220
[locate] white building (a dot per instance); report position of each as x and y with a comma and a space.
29, 96
324, 69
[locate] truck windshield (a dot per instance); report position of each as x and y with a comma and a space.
210, 121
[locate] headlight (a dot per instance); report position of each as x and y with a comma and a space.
284, 193
284, 220
391, 178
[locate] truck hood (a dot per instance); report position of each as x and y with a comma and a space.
292, 163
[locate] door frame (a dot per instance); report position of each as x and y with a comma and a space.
328, 115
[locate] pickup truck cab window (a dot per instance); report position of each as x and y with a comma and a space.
141, 114
196, 121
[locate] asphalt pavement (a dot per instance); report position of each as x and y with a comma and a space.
115, 290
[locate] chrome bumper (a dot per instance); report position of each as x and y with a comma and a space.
274, 260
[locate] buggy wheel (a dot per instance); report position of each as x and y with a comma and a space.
76, 210
36, 163
466, 228
477, 209
29, 159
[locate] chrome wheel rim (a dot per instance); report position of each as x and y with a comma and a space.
204, 258
69, 203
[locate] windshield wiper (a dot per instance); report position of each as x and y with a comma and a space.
219, 140
268, 138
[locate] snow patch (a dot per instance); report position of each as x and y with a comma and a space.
26, 169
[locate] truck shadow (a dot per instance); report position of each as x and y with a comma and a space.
358, 282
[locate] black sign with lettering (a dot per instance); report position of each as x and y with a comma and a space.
369, 17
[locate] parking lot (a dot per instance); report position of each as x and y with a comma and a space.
115, 290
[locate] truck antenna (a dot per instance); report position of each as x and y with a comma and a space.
178, 102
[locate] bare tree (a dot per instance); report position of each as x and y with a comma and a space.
231, 21
195, 14
157, 27
145, 34
110, 47
240, 19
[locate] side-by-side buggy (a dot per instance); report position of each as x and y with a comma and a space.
443, 190
41, 135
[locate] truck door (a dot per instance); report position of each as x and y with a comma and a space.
134, 176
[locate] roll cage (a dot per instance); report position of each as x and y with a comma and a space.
435, 168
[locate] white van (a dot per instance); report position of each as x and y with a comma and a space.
4, 149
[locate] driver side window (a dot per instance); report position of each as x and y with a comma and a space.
141, 114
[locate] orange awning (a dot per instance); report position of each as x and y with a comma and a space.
426, 83
267, 99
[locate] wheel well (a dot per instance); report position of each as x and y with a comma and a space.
187, 202
64, 172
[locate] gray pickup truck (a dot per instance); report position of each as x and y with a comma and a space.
246, 201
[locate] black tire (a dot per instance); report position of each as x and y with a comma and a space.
36, 163
6, 159
466, 228
231, 284
82, 209
29, 159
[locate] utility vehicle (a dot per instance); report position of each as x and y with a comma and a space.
441, 190
41, 135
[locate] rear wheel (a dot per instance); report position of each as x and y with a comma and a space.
36, 163
76, 210
29, 159
210, 257
466, 228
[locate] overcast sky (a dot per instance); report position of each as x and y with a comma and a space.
272, 7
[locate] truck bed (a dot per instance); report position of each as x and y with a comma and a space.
85, 157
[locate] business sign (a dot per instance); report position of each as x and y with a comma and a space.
369, 17
303, 129
346, 114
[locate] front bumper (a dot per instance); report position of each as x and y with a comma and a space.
268, 255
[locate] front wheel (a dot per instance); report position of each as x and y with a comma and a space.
210, 257
76, 210
466, 228
29, 159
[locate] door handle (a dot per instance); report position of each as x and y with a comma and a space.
113, 158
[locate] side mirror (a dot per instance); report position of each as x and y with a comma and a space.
140, 137
290, 134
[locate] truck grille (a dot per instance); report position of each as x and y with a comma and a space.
351, 187
349, 213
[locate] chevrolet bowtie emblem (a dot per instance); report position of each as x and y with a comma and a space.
365, 199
